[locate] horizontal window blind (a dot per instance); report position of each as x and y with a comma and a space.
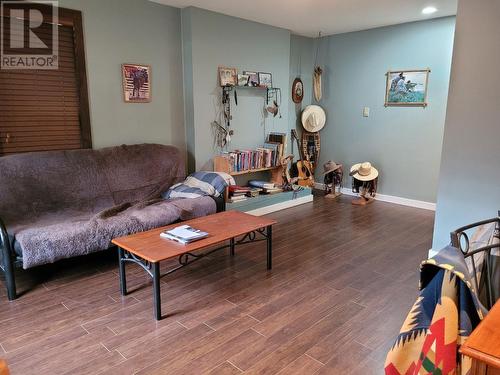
40, 109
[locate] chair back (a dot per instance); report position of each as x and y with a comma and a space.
482, 257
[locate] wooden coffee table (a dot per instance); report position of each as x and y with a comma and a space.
148, 249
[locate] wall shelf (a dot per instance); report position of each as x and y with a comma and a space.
221, 164
252, 171
271, 92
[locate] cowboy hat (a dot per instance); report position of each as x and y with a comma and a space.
313, 118
330, 166
363, 172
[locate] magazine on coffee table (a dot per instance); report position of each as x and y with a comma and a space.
184, 234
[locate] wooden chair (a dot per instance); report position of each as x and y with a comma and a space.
460, 240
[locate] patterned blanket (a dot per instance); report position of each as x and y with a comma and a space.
443, 316
200, 184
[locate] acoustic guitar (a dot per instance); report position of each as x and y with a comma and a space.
303, 167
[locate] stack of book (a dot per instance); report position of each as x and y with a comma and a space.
267, 156
241, 193
238, 193
184, 234
265, 186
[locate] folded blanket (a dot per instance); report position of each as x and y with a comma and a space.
200, 184
443, 316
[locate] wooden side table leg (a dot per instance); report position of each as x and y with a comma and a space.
121, 267
269, 235
156, 290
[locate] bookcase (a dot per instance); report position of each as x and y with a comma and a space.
221, 164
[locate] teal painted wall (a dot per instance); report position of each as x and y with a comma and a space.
133, 31
301, 65
403, 143
210, 40
469, 178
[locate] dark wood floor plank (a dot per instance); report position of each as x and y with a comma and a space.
294, 348
186, 357
301, 366
343, 280
225, 369
142, 354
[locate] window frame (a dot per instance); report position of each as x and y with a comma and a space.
73, 18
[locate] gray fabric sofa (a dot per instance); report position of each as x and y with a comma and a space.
61, 204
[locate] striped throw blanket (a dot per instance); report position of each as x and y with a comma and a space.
443, 316
200, 184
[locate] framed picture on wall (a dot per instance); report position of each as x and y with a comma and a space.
265, 80
253, 78
136, 83
407, 87
227, 76
243, 79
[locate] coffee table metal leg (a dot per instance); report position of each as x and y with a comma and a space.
269, 236
156, 290
231, 246
121, 267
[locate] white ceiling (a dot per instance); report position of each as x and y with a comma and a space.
308, 17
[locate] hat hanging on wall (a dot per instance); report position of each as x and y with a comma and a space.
297, 90
364, 171
313, 118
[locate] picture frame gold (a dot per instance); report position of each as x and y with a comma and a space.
227, 76
407, 88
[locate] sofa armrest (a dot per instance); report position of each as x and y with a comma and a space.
7, 257
220, 203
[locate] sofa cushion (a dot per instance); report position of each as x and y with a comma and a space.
53, 198
34, 184
87, 181
138, 172
48, 239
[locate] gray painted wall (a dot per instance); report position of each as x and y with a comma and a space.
403, 143
214, 39
469, 179
133, 31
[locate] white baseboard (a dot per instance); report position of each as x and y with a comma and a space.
280, 206
389, 198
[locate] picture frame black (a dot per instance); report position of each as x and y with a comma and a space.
253, 79
265, 79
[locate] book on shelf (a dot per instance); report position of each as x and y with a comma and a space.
253, 192
279, 138
261, 184
237, 198
272, 191
235, 189
269, 155
184, 234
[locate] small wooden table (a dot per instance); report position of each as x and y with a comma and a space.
148, 249
483, 345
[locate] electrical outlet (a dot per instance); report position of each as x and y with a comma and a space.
366, 112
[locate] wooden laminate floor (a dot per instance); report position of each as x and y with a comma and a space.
343, 280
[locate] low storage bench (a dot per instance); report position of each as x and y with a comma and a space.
61, 204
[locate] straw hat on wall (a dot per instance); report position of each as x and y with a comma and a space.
313, 118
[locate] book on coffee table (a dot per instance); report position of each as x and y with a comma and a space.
184, 234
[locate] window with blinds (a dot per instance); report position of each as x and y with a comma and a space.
43, 110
